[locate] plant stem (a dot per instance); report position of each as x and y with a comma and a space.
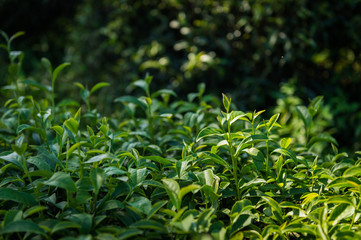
234, 161
27, 171
354, 216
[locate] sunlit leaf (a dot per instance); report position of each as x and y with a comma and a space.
99, 86
207, 132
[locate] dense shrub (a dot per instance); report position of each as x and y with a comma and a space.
239, 47
163, 167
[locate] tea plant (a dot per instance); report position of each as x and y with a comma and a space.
161, 167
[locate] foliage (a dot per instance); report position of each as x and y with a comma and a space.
160, 167
243, 48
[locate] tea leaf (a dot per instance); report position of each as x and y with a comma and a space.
353, 171
9, 194
58, 69
72, 125
272, 121
172, 188
303, 113
273, 204
208, 131
99, 86
22, 226
97, 178
62, 180
64, 225
149, 224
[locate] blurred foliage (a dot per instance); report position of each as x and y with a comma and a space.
249, 49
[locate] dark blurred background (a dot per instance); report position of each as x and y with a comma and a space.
246, 48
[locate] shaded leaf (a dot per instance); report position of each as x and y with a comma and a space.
17, 196
22, 226
62, 180
303, 113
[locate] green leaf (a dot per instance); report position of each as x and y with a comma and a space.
172, 188
67, 102
79, 85
72, 125
58, 70
217, 159
110, 205
137, 176
288, 153
143, 85
157, 206
62, 180
249, 141
112, 170
273, 204
184, 190
181, 167
208, 131
47, 64
36, 84
323, 137
241, 206
164, 91
309, 197
353, 171
16, 35
149, 224
64, 225
84, 220
236, 115
271, 230
257, 156
142, 204
158, 159
9, 194
341, 212
272, 121
59, 130
48, 155
303, 113
352, 183
13, 158
98, 86
75, 147
300, 228
33, 210
130, 99
22, 226
97, 178
5, 36
99, 158
226, 102
129, 233
240, 222
285, 142
340, 200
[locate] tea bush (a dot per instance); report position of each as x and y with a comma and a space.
244, 48
161, 167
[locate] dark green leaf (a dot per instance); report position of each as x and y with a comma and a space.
22, 226
17, 196
62, 180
